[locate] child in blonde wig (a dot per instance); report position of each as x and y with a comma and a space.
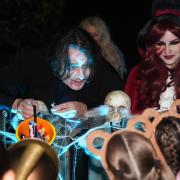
132, 157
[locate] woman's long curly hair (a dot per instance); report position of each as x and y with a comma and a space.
168, 139
152, 72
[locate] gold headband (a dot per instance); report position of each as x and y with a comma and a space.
34, 149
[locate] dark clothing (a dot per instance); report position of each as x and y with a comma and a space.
31, 77
132, 89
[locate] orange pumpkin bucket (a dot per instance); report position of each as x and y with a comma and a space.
45, 129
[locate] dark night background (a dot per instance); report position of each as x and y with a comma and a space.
34, 22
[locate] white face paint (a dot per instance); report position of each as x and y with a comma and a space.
79, 72
168, 49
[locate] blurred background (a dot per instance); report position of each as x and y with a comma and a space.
33, 23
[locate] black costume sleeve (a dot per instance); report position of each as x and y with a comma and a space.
10, 86
27, 77
109, 80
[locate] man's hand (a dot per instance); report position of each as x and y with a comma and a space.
24, 107
70, 109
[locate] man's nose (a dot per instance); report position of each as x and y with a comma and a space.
80, 73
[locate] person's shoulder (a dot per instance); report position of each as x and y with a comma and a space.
132, 81
103, 63
32, 57
33, 62
135, 69
107, 68
133, 76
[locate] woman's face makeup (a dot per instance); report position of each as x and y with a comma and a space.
168, 49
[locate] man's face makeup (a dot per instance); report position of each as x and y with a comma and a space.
79, 70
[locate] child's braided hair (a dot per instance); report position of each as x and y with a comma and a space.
168, 139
